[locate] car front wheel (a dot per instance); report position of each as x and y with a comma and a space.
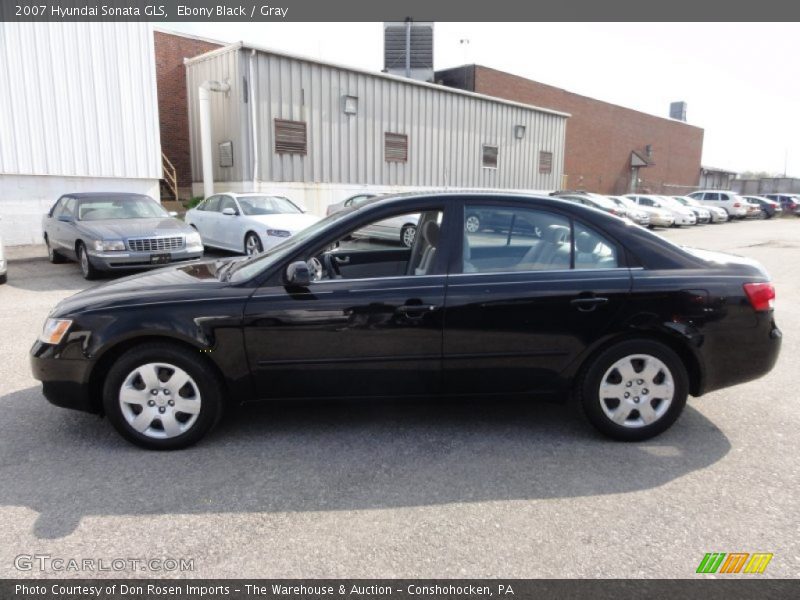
162, 397
87, 268
634, 390
252, 244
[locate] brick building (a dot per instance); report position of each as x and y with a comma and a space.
607, 146
170, 50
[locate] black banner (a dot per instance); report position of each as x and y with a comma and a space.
371, 10
399, 589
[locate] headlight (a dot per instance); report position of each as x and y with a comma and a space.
109, 245
278, 232
194, 239
54, 330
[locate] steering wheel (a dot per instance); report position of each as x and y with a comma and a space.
331, 267
317, 273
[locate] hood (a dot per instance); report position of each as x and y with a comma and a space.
162, 285
292, 222
116, 229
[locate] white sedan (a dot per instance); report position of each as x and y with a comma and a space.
247, 223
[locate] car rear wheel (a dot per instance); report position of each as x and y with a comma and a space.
634, 390
88, 270
162, 397
252, 244
407, 235
52, 255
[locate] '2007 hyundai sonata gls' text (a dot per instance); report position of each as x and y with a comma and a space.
555, 299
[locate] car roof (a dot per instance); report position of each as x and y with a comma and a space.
89, 195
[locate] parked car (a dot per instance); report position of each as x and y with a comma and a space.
731, 202
790, 203
635, 213
112, 231
351, 202
769, 208
717, 215
608, 313
701, 213
594, 201
682, 214
658, 217
247, 223
401, 230
3, 264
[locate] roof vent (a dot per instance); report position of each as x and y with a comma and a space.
408, 49
677, 110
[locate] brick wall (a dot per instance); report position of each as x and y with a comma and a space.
170, 50
600, 136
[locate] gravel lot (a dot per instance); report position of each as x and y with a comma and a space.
410, 489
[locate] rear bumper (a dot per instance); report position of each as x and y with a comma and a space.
115, 261
65, 382
739, 366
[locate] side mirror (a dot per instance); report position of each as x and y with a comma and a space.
173, 213
231, 212
298, 274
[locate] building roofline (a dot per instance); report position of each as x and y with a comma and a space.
189, 36
441, 88
475, 66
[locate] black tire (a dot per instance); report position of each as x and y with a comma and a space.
408, 232
255, 240
588, 389
53, 255
209, 387
3, 278
87, 268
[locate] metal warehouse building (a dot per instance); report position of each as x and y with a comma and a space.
78, 113
319, 132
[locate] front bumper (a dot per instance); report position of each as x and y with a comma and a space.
685, 220
657, 221
65, 381
113, 261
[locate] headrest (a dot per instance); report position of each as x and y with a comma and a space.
430, 233
586, 242
556, 234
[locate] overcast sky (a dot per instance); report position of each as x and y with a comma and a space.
740, 80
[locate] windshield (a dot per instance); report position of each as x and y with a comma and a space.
123, 207
670, 202
267, 205
252, 266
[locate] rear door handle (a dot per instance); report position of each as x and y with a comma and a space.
588, 304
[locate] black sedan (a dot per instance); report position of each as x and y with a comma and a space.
583, 305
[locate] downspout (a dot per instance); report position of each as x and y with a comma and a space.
408, 47
253, 117
204, 103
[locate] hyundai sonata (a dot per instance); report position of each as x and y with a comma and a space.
562, 301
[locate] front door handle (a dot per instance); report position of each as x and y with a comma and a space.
588, 304
415, 312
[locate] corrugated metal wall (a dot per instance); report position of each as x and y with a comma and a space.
78, 99
446, 129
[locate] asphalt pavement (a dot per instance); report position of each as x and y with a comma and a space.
479, 488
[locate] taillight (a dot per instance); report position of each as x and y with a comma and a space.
761, 295
736, 205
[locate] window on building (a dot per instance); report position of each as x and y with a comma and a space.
545, 162
290, 137
490, 156
395, 147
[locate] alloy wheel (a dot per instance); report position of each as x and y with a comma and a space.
252, 245
409, 233
160, 400
472, 224
636, 390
